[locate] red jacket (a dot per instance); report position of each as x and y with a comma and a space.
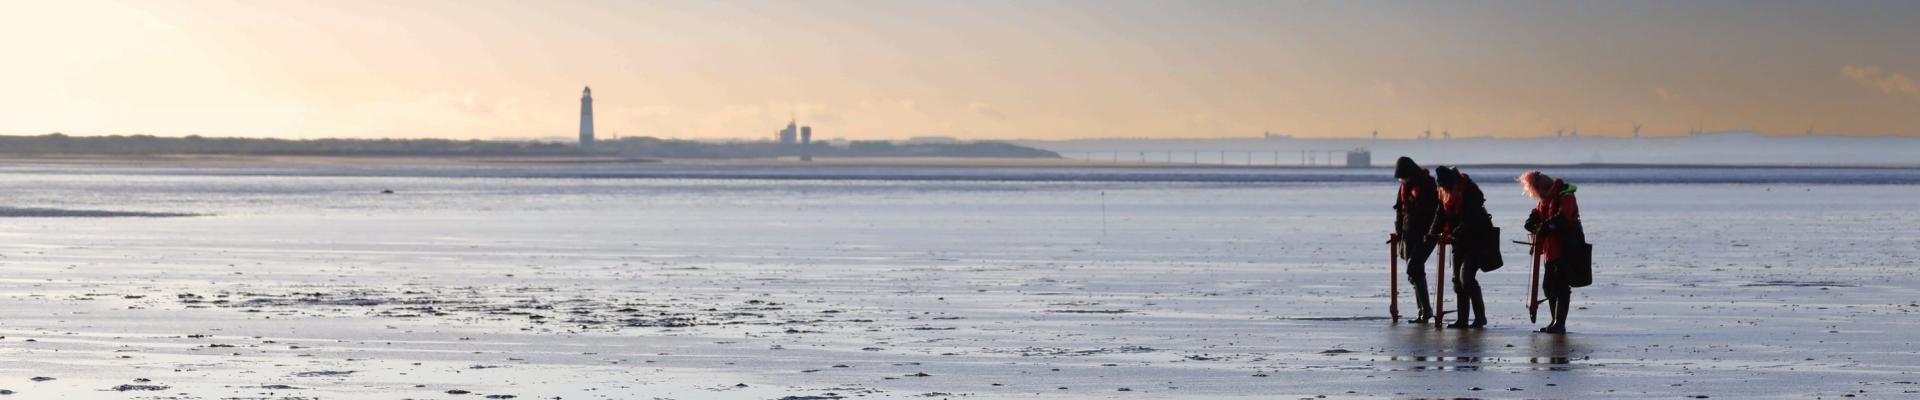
1561, 212
1463, 216
1415, 207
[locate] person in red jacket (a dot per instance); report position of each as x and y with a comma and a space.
1414, 207
1555, 223
1463, 221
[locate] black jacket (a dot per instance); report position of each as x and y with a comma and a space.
1468, 219
1415, 206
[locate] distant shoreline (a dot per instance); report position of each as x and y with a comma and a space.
1688, 166
627, 147
790, 162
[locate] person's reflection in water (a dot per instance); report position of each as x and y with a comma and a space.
1468, 349
1554, 352
1468, 344
1418, 344
1472, 350
1429, 349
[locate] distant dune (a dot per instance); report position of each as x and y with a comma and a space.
626, 148
1726, 149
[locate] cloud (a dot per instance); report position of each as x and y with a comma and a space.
1666, 95
1859, 73
443, 115
1208, 122
1889, 83
986, 110
1386, 89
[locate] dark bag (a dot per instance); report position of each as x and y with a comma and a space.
1487, 251
1579, 259
1579, 264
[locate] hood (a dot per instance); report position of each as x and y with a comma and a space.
1566, 188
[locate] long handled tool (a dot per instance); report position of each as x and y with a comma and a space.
1393, 278
1440, 283
1533, 290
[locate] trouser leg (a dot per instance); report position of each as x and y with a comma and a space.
1558, 294
1553, 311
1417, 276
1420, 297
1470, 280
1463, 279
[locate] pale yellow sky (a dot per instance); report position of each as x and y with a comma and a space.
969, 69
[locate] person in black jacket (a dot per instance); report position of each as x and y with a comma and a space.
1414, 207
1463, 220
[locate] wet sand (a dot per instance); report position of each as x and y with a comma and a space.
317, 286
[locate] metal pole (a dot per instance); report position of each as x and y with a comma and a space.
1533, 289
1393, 278
1440, 285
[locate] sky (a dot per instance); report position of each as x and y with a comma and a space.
979, 69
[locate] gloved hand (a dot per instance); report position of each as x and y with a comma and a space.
1533, 221
1393, 237
1550, 225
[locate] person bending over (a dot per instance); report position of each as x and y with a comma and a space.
1464, 222
1414, 208
1555, 224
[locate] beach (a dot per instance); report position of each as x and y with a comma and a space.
276, 280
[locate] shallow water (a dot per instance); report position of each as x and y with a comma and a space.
690, 282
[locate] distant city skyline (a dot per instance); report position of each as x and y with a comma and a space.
970, 70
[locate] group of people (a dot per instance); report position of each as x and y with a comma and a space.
1445, 206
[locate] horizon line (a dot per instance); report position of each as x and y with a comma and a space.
570, 138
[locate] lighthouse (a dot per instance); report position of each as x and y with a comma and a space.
586, 118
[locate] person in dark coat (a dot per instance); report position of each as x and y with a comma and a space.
1414, 209
1555, 224
1464, 222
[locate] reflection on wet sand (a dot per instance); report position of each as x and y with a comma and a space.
1554, 350
1472, 350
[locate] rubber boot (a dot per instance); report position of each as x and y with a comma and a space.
1421, 298
1553, 315
1462, 305
1479, 305
1560, 315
